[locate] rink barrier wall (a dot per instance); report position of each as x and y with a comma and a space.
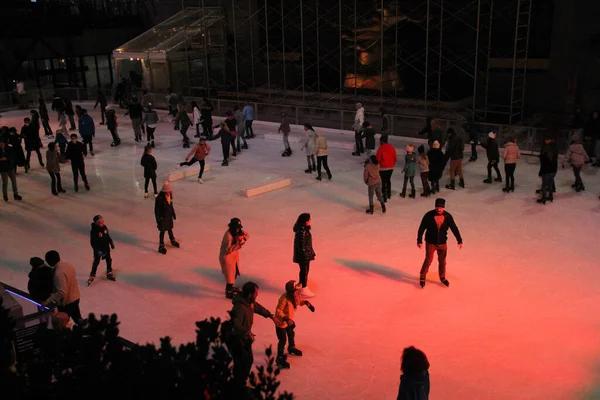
186, 172
269, 187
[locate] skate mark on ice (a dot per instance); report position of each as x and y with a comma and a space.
163, 283
369, 268
215, 275
495, 199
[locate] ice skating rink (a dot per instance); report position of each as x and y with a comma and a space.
519, 320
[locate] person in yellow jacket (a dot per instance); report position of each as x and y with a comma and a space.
285, 325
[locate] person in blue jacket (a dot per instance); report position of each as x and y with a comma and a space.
87, 130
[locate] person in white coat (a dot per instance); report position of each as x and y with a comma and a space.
359, 119
197, 118
310, 144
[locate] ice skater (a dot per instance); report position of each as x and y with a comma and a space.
101, 100
76, 152
7, 171
16, 149
87, 130
423, 163
111, 125
414, 382
493, 156
321, 151
53, 168
70, 113
226, 139
164, 212
359, 119
409, 171
206, 110
248, 111
511, 155
437, 163
372, 178
577, 157
232, 125
45, 118
284, 129
149, 163
183, 121
303, 251
102, 244
135, 112
198, 154
150, 120
66, 294
32, 143
368, 134
435, 225
197, 116
241, 127
386, 156
229, 255
310, 145
454, 153
548, 169
285, 325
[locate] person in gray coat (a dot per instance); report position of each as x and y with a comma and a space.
241, 126
53, 168
577, 157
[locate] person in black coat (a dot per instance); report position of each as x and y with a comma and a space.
32, 142
70, 113
548, 169
368, 134
435, 225
493, 155
164, 213
41, 280
149, 163
101, 100
101, 243
136, 113
437, 163
45, 118
454, 153
473, 139
14, 141
75, 152
303, 250
226, 138
58, 104
414, 382
7, 171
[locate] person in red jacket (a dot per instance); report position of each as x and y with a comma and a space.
386, 156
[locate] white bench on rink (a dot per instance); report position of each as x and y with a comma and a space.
186, 172
268, 185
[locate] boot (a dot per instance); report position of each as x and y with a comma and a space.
383, 209
224, 163
239, 149
87, 187
111, 276
369, 210
506, 189
488, 180
91, 279
6, 198
422, 282
308, 171
230, 292
55, 193
512, 188
403, 193
17, 197
282, 362
294, 351
329, 176
319, 177
245, 146
541, 201
355, 153
175, 243
451, 185
162, 249
445, 282
461, 183
412, 194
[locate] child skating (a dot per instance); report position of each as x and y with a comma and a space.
310, 144
198, 154
423, 162
372, 179
409, 171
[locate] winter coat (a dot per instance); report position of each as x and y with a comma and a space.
197, 116
248, 113
241, 120
423, 164
206, 113
303, 248
135, 111
6, 159
69, 107
100, 239
436, 236
229, 255
231, 124
32, 138
437, 163
410, 165
386, 156
385, 125
199, 152
75, 152
491, 149
146, 99
58, 105
66, 288
359, 119
284, 126
16, 150
321, 145
87, 129
111, 119
285, 310
576, 155
511, 153
149, 163
60, 138
225, 136
310, 142
35, 122
369, 135
242, 317
473, 136
53, 160
164, 212
414, 387
41, 283
184, 119
150, 118
456, 147
549, 159
371, 174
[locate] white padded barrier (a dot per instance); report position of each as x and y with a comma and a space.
266, 187
186, 172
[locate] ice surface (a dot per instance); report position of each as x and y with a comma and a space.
519, 321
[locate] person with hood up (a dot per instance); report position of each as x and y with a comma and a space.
548, 169
135, 112
35, 121
321, 152
454, 153
285, 326
7, 170
58, 105
76, 152
226, 139
41, 280
423, 163
359, 119
62, 142
241, 128
102, 244
239, 339
229, 254
435, 225
437, 163
87, 130
164, 212
303, 251
386, 157
310, 144
284, 128
53, 168
197, 117
66, 294
32, 142
372, 178
493, 156
414, 381
111, 125
149, 163
198, 154
511, 155
368, 134
409, 171
232, 125
206, 110
577, 157
70, 113
150, 120
101, 100
45, 118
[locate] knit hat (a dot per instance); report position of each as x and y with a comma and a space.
97, 217
235, 222
436, 145
410, 148
440, 202
36, 262
492, 135
421, 149
166, 187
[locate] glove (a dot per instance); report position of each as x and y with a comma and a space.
112, 246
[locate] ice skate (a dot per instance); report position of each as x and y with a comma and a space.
541, 201
92, 153
445, 282
305, 292
245, 146
422, 282
488, 180
6, 198
319, 177
308, 171
111, 276
200, 180
451, 186
355, 153
224, 163
238, 149
91, 279
17, 197
162, 249
383, 209
282, 363
54, 193
369, 210
295, 352
461, 183
499, 179
175, 243
403, 194
231, 292
87, 187
146, 195
329, 176
412, 194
